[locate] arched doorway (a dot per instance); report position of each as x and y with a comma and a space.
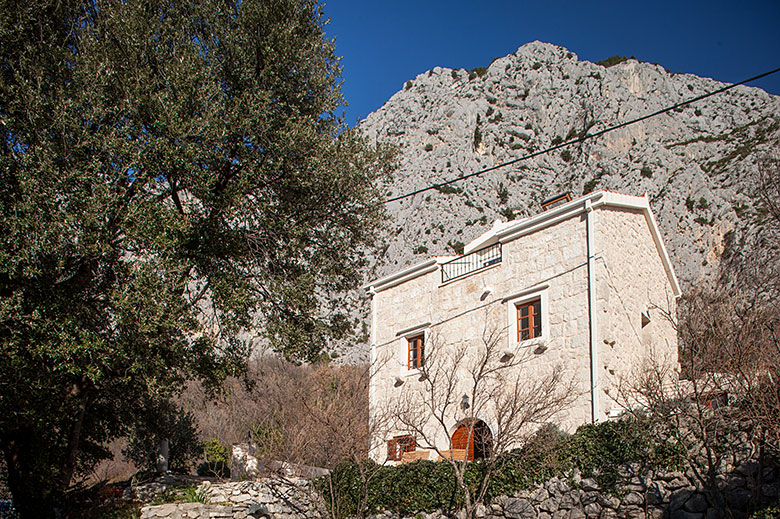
475, 437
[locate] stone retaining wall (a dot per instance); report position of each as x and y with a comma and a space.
660, 495
277, 498
187, 511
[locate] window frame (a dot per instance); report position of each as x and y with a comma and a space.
534, 319
398, 445
419, 338
515, 303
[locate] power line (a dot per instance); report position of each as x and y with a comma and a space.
580, 139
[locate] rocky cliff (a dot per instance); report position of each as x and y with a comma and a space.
698, 164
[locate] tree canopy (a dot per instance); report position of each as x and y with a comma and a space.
172, 174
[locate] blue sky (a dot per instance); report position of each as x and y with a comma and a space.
383, 44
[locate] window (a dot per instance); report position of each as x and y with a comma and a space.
529, 319
416, 351
400, 444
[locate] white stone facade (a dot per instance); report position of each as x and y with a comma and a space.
602, 315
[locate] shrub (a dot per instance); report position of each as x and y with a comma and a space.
613, 60
536, 66
556, 140
408, 85
646, 172
421, 249
477, 72
175, 425
429, 147
590, 186
598, 450
454, 74
217, 460
447, 189
566, 155
456, 246
503, 194
477, 137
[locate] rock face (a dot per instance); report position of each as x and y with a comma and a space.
697, 164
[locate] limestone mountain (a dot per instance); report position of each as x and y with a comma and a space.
698, 165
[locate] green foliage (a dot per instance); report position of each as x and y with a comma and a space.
448, 189
599, 450
456, 246
424, 486
770, 512
536, 66
590, 186
503, 194
690, 203
613, 60
508, 213
217, 459
171, 174
421, 249
556, 140
477, 72
454, 74
189, 494
429, 147
165, 422
566, 155
477, 137
408, 85
646, 172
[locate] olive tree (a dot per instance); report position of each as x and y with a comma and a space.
173, 175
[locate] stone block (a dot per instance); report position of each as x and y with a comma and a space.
589, 484
548, 505
592, 510
633, 498
515, 508
696, 503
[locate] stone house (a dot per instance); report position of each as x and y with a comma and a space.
586, 284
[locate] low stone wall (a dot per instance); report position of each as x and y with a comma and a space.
283, 498
187, 511
659, 495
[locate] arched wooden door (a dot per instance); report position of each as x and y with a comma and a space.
477, 440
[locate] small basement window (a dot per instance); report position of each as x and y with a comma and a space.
400, 444
416, 350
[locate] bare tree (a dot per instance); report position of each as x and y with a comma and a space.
469, 384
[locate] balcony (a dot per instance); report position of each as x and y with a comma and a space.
465, 265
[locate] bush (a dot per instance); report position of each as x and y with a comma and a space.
598, 451
477, 72
217, 460
613, 60
174, 424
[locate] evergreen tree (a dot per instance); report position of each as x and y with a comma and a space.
172, 174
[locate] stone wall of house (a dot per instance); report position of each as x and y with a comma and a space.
552, 260
630, 280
